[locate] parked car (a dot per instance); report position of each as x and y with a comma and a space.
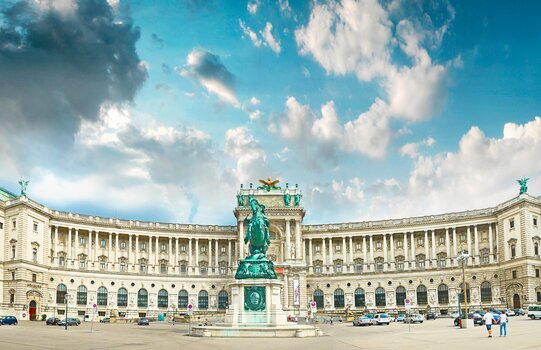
380, 319
414, 318
431, 316
52, 321
519, 312
400, 317
143, 321
455, 314
8, 320
534, 311
510, 312
71, 321
477, 319
105, 320
364, 320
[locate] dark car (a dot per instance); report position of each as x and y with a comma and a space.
477, 319
519, 312
71, 321
431, 316
143, 321
8, 320
52, 321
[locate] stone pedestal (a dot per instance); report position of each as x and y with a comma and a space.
467, 323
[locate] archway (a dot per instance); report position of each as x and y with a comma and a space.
516, 301
32, 307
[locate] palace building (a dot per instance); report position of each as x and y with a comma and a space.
51, 260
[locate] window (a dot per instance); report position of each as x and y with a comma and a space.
317, 269
82, 263
422, 297
122, 266
14, 226
222, 251
142, 298
443, 294
462, 237
82, 241
420, 242
538, 297
163, 298
61, 261
35, 277
399, 243
379, 245
143, 268
380, 297
122, 297
203, 268
338, 298
102, 296
183, 268
1, 225
103, 243
514, 274
536, 248
400, 265
81, 295
203, 249
143, 246
486, 292
123, 244
13, 252
163, 268
183, 299
203, 300
338, 248
13, 275
317, 248
400, 296
223, 270
183, 248
318, 298
163, 247
535, 221
35, 227
511, 224
11, 298
61, 292
102, 265
358, 246
513, 251
536, 272
359, 267
421, 264
223, 299
35, 254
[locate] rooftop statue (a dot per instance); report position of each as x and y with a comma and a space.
297, 199
269, 184
287, 199
522, 182
23, 184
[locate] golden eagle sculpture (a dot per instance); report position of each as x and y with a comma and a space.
269, 184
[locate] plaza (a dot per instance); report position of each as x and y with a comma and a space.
439, 334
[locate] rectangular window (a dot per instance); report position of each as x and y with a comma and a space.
163, 268
122, 267
317, 269
338, 248
222, 250
102, 265
420, 242
163, 247
1, 225
143, 268
534, 221
400, 265
143, 246
536, 272
358, 246
14, 226
399, 243
13, 276
60, 312
379, 245
485, 259
82, 241
421, 264
359, 267
12, 298
80, 312
317, 248
61, 261
183, 268
35, 277
203, 269
514, 274
35, 254
13, 252
35, 227
223, 270
101, 313
442, 262
103, 243
123, 245
82, 264
511, 224
442, 240
183, 248
203, 249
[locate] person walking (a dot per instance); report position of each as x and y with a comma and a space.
503, 324
489, 319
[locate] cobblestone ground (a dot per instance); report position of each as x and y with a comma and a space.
523, 333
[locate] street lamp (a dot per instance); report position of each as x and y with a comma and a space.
462, 258
66, 320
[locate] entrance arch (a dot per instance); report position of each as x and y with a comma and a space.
32, 307
516, 301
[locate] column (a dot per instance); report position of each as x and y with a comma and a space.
310, 252
392, 248
455, 252
299, 250
497, 240
56, 244
476, 243
96, 245
371, 249
175, 263
384, 249
288, 240
89, 247
69, 245
286, 292
196, 256
324, 252
228, 252
331, 259
209, 254
427, 256
447, 247
76, 244
130, 254
344, 254
241, 240
405, 246
170, 257
490, 244
157, 249
149, 252
216, 247
350, 250
468, 242
190, 262
365, 257
110, 250
412, 259
117, 247
434, 257
136, 255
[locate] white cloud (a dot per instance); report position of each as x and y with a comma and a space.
283, 154
251, 34
254, 101
241, 146
252, 6
269, 38
412, 149
284, 6
255, 115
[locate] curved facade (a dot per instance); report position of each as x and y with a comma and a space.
133, 268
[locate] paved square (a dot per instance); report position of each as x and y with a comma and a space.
523, 333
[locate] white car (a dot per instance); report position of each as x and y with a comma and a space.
510, 312
381, 319
455, 315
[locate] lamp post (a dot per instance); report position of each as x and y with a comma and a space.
462, 258
66, 320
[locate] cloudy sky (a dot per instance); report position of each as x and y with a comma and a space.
376, 109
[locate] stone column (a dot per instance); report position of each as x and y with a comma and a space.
56, 245
447, 245
110, 250
371, 249
350, 250
117, 247
89, 247
157, 250
468, 242
150, 260
427, 256
76, 244
384, 249
190, 262
130, 249
476, 243
344, 254
392, 248
324, 253
365, 256
490, 244
209, 254
228, 252
69, 245
405, 247
412, 259
288, 239
96, 246
170, 257
286, 292
216, 247
310, 261
331, 258
176, 254
434, 257
136, 255
455, 252
241, 240
299, 250
196, 256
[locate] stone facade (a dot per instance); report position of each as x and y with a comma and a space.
132, 268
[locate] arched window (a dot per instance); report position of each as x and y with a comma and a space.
400, 296
223, 299
359, 297
536, 248
203, 300
318, 298
443, 294
461, 291
486, 292
163, 298
338, 298
142, 298
422, 297
380, 296
122, 297
183, 299
61, 292
102, 296
81, 295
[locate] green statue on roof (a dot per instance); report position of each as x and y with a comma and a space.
522, 182
23, 183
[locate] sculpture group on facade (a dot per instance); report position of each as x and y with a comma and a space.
523, 188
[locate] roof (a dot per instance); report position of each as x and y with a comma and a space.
6, 195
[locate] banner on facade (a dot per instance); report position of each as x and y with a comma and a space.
296, 292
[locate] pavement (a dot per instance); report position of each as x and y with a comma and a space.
439, 334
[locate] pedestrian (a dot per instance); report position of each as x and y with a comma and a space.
503, 324
489, 319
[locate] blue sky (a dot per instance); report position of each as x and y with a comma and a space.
376, 109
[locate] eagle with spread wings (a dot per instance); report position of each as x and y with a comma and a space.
269, 184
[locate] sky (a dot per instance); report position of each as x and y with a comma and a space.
160, 110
